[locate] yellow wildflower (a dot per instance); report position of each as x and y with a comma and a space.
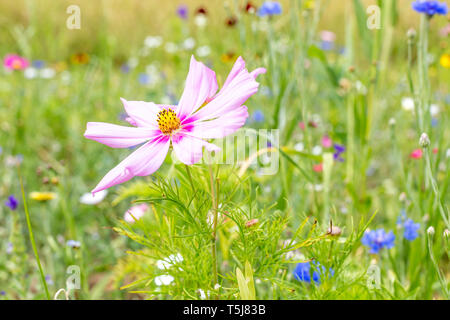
42, 196
445, 60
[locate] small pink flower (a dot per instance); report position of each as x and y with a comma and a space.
435, 150
416, 154
200, 114
251, 223
301, 125
445, 31
15, 62
318, 167
326, 142
327, 36
312, 124
135, 213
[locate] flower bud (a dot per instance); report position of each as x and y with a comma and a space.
334, 231
411, 34
392, 122
251, 223
424, 141
446, 233
430, 231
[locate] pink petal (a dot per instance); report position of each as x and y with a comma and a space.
239, 86
116, 136
201, 85
189, 149
257, 72
142, 113
238, 67
220, 127
142, 162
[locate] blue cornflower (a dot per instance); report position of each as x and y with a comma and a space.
12, 203
326, 45
48, 279
3, 293
144, 78
9, 248
73, 244
378, 239
258, 116
38, 64
434, 122
302, 271
182, 11
411, 229
430, 7
125, 68
269, 8
339, 149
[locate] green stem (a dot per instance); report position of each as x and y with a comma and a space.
33, 243
436, 266
350, 138
190, 177
423, 71
214, 234
434, 186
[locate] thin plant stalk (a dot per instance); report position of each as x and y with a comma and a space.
214, 232
435, 188
190, 177
436, 266
33, 243
423, 71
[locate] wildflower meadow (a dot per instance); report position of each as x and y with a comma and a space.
224, 150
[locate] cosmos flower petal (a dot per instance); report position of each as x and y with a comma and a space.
116, 136
142, 162
90, 199
239, 86
141, 113
255, 73
189, 149
225, 125
201, 85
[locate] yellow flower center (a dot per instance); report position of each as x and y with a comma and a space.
168, 121
16, 64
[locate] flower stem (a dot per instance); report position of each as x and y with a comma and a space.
190, 177
214, 233
442, 279
423, 73
33, 243
435, 188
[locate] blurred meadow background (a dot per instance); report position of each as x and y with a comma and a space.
350, 104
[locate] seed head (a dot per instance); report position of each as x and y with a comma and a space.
424, 141
411, 34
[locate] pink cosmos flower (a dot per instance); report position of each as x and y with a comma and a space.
15, 62
445, 31
326, 142
301, 125
200, 114
416, 154
327, 36
135, 213
318, 167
